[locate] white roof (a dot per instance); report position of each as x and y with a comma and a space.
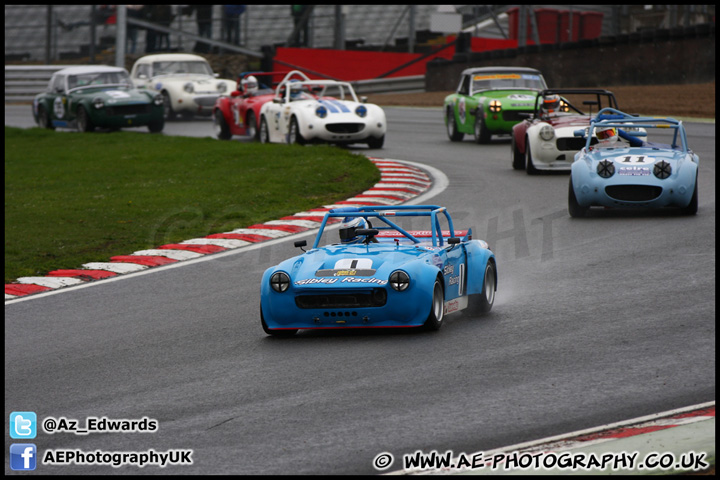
171, 57
90, 69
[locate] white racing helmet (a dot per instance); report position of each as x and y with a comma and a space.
606, 133
250, 84
348, 227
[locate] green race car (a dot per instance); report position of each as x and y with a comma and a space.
97, 96
490, 100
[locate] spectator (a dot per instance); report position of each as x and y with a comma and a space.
150, 33
133, 11
232, 23
203, 17
106, 15
164, 16
301, 36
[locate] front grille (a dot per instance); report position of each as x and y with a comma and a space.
345, 127
121, 110
633, 193
514, 115
375, 298
573, 143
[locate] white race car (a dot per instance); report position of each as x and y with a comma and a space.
546, 139
186, 82
320, 111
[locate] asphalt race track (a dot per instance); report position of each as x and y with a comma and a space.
596, 320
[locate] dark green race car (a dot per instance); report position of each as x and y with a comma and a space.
97, 96
490, 100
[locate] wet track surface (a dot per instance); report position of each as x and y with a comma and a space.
596, 320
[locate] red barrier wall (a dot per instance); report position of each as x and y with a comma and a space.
350, 65
480, 44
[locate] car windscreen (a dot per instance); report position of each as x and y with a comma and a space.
177, 67
94, 79
507, 81
419, 226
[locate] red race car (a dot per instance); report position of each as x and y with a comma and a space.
239, 114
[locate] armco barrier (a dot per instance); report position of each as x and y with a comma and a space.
22, 83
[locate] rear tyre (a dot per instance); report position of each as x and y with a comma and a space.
44, 118
222, 130
574, 208
84, 124
252, 129
518, 158
482, 302
437, 311
452, 130
264, 132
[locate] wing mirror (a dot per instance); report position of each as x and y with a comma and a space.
300, 244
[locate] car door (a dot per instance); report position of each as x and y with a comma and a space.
462, 105
454, 271
272, 117
59, 101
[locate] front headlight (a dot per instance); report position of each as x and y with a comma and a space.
158, 100
547, 132
399, 280
98, 103
222, 87
188, 87
662, 170
280, 281
495, 106
321, 111
606, 169
361, 111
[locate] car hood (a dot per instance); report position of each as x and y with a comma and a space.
511, 95
635, 157
569, 121
113, 96
335, 107
353, 265
184, 78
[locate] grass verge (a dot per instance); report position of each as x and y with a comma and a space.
73, 198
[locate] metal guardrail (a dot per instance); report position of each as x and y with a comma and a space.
410, 84
22, 83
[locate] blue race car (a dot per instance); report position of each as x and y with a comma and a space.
625, 170
380, 276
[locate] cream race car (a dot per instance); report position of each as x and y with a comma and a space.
186, 82
322, 111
